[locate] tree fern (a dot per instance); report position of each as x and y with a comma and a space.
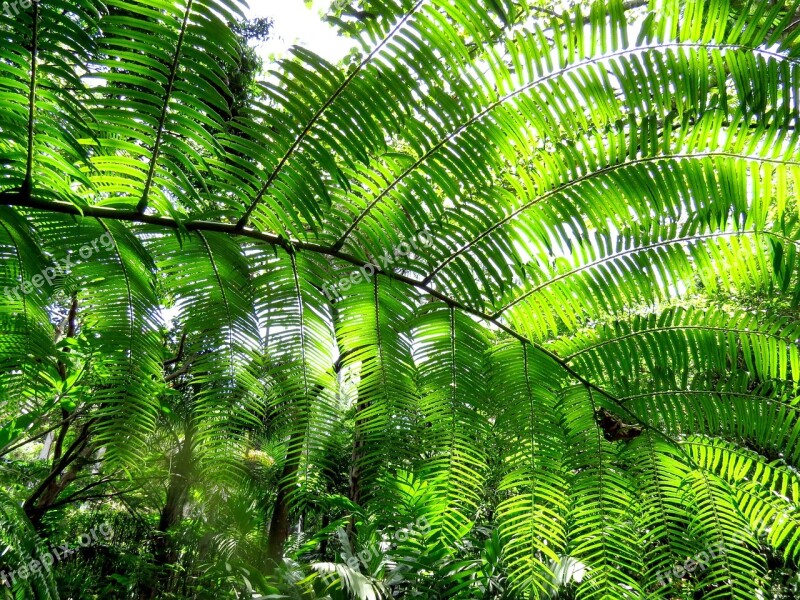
587, 375
600, 524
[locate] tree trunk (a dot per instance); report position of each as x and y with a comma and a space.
165, 551
57, 479
63, 472
279, 524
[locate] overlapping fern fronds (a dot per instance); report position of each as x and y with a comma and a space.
611, 195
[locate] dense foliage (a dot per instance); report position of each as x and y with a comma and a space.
502, 306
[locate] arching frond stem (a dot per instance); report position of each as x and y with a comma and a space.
512, 94
634, 250
578, 180
242, 223
18, 199
142, 206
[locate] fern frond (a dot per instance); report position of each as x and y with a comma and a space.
532, 517
659, 471
161, 101
600, 532
26, 338
680, 341
208, 280
47, 48
299, 347
111, 274
449, 353
734, 566
373, 331
20, 547
766, 491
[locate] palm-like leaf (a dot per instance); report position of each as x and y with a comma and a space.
599, 185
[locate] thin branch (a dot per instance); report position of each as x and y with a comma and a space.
58, 468
628, 5
74, 497
18, 199
72, 416
95, 497
179, 354
546, 11
182, 371
62, 371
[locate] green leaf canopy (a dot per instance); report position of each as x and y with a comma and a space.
503, 221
